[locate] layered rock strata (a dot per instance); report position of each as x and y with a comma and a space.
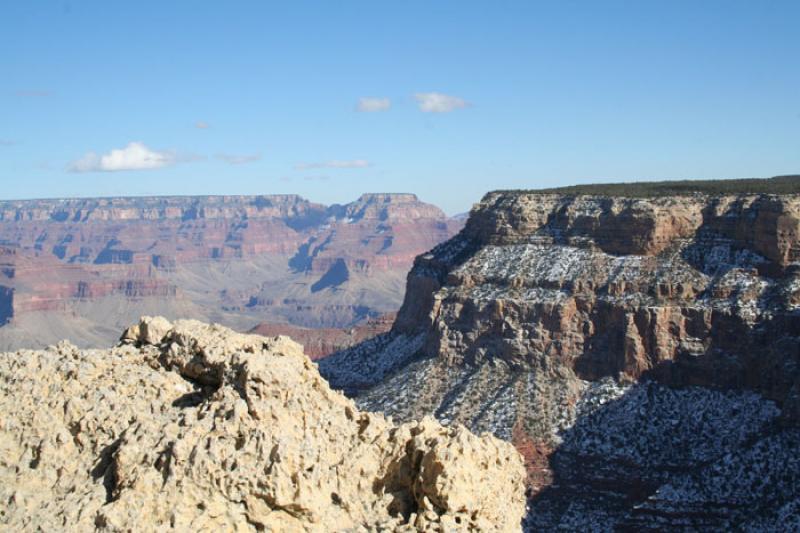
512, 325
321, 342
190, 426
84, 268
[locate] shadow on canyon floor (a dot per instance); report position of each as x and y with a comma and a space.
650, 457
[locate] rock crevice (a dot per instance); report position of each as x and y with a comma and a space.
192, 426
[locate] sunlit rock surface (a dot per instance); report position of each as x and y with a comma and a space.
193, 427
84, 269
642, 353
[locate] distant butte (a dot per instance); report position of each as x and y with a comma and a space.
83, 268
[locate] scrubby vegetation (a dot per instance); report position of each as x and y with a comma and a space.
777, 185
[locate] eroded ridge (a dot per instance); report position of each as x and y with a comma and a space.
642, 352
195, 427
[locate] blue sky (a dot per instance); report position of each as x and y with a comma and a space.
130, 98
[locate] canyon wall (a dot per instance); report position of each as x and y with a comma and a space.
642, 351
82, 268
688, 289
6, 304
321, 342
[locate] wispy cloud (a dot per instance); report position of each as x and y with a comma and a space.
34, 94
238, 159
439, 103
135, 156
373, 105
336, 163
201, 125
7, 142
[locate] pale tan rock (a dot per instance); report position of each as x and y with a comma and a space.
153, 329
199, 428
769, 224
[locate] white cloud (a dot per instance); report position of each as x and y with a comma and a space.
373, 105
239, 159
353, 163
135, 156
7, 142
201, 125
439, 103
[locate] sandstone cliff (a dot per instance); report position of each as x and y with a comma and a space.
193, 427
321, 342
84, 268
560, 322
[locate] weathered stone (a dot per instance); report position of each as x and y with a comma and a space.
200, 428
514, 326
152, 330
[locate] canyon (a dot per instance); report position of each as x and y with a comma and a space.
83, 269
321, 342
622, 357
638, 343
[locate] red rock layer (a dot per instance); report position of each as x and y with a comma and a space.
320, 342
59, 252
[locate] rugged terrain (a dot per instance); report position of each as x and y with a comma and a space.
193, 427
320, 342
641, 349
82, 269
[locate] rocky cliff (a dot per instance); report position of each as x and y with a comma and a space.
642, 350
86, 267
321, 342
193, 427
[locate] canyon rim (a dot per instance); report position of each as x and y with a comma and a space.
639, 343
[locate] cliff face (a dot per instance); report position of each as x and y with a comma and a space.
193, 427
321, 342
6, 305
164, 230
239, 260
686, 289
565, 323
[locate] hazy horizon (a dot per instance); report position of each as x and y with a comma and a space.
445, 100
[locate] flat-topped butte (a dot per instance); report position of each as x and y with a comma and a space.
789, 184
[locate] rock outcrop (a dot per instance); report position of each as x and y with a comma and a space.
190, 426
88, 267
516, 325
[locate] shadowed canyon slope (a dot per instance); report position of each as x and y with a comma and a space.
82, 269
193, 427
321, 342
640, 345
